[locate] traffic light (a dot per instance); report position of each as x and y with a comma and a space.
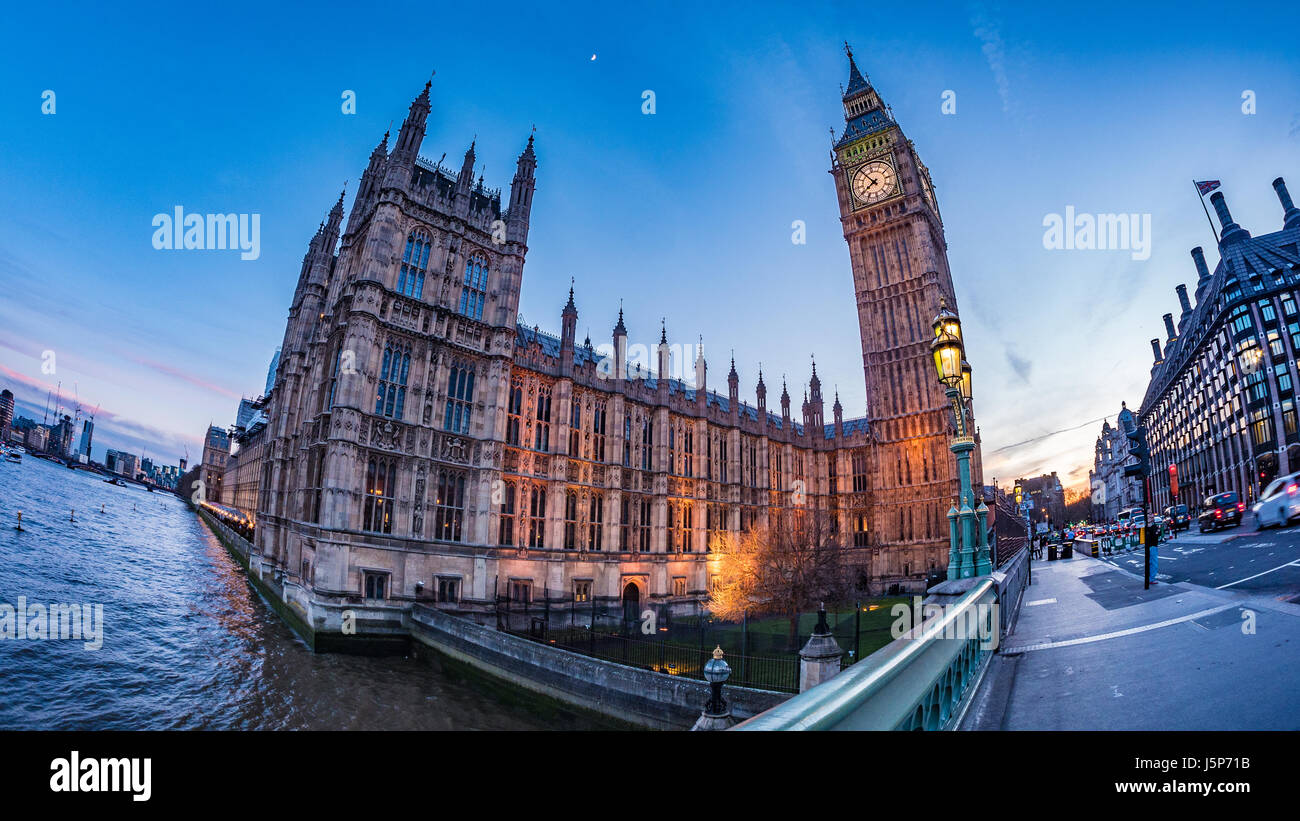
1137, 447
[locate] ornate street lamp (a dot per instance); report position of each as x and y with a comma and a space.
968, 553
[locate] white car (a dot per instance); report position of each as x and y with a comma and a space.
1279, 504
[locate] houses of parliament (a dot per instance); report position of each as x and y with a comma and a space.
421, 443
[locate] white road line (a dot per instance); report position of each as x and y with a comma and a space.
1118, 633
1040, 601
1257, 575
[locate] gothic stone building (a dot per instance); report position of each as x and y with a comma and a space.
424, 444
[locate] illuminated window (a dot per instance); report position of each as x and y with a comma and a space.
582, 590
381, 484
449, 506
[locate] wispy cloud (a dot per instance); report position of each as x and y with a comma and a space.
990, 35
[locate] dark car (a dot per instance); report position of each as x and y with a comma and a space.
1178, 517
1221, 511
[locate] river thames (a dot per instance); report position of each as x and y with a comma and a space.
187, 643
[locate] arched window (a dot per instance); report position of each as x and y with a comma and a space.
390, 399
474, 292
410, 280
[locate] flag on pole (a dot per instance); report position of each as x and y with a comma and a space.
1204, 187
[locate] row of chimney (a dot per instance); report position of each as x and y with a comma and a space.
1232, 233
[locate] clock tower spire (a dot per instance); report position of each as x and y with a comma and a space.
898, 253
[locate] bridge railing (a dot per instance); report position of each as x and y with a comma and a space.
917, 682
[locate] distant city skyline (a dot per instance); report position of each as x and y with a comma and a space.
686, 213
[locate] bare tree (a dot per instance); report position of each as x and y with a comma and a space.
787, 567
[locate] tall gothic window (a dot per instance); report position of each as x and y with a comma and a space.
627, 439
575, 429
647, 442
460, 398
595, 522
333, 383
688, 526
722, 458
542, 430
598, 432
410, 280
570, 520
537, 516
643, 527
381, 484
474, 292
449, 506
674, 528
506, 532
514, 413
315, 472
390, 400
625, 524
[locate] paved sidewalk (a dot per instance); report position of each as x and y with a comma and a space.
1093, 650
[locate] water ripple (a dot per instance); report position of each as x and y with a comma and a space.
187, 642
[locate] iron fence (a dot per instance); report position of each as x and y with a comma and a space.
678, 638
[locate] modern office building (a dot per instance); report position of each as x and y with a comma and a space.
1220, 409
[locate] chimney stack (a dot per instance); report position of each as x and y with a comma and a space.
1232, 232
1290, 214
1169, 327
1186, 305
1202, 273
1155, 349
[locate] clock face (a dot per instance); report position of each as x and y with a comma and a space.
874, 181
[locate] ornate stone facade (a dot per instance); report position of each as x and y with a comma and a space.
424, 443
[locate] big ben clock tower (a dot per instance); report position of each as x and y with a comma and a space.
900, 273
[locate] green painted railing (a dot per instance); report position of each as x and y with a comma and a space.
917, 682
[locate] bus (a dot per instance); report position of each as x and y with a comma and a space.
1133, 516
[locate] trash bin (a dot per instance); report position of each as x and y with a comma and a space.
1051, 552
1067, 550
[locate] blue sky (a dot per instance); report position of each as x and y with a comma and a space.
685, 213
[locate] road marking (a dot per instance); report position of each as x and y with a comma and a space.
1257, 575
1040, 601
1029, 648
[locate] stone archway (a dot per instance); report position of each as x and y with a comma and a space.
631, 601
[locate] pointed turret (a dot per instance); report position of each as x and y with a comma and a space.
371, 179
785, 404
701, 373
816, 414
838, 410
409, 138
733, 385
465, 180
663, 363
521, 195
568, 334
619, 371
